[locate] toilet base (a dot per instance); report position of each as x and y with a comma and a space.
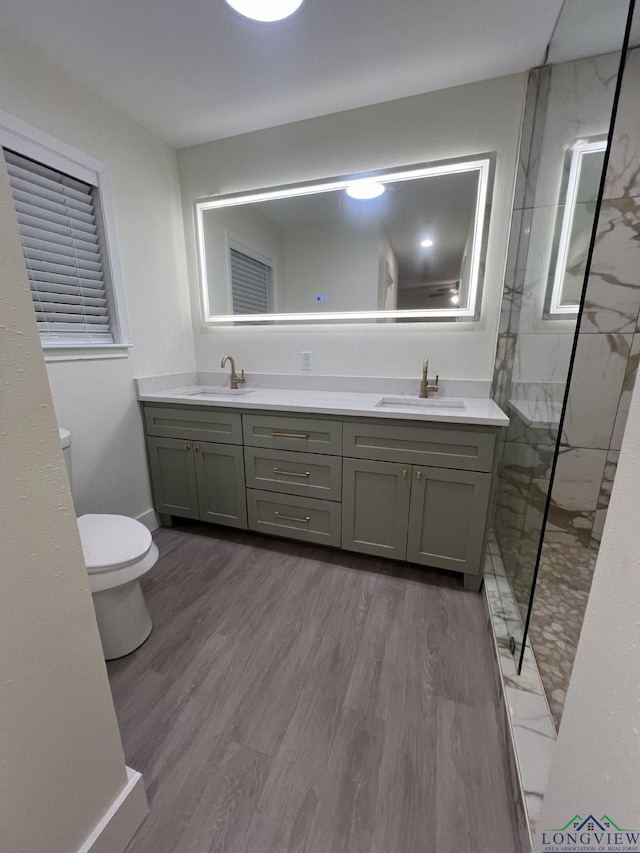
123, 619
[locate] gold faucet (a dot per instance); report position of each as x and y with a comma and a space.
235, 379
424, 384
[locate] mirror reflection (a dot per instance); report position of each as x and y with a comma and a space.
584, 164
397, 245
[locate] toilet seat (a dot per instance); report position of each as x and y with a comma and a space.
112, 542
117, 550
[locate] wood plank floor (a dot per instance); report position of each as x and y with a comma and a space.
292, 698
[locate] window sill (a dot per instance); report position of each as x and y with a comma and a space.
84, 352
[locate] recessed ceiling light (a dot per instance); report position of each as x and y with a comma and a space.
265, 10
365, 188
426, 243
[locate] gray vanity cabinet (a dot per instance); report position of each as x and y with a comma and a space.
375, 507
418, 493
433, 516
203, 480
404, 490
221, 488
173, 477
447, 518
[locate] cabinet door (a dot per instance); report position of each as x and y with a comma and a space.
447, 518
375, 507
173, 477
220, 477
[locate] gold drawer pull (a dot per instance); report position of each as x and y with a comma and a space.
291, 473
290, 434
404, 474
418, 475
304, 520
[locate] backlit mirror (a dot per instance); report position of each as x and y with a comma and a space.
584, 163
405, 244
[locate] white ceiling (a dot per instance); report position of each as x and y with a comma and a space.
194, 70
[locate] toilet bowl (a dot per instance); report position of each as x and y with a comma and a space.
117, 551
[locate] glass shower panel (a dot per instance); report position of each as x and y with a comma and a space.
565, 127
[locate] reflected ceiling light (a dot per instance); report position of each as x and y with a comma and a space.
455, 299
426, 244
365, 188
265, 10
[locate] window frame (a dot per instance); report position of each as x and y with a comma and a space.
37, 145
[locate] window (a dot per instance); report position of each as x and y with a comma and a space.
251, 276
68, 255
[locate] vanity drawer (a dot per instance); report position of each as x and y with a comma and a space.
281, 433
294, 473
295, 517
199, 424
442, 448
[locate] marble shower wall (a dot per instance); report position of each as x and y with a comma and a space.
604, 373
564, 103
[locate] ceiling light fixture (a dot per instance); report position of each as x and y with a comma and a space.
455, 299
426, 244
265, 10
365, 188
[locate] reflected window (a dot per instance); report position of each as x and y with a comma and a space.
251, 279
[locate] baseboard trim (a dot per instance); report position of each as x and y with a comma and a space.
122, 819
150, 520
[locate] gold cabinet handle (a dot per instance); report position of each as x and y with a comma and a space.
196, 448
187, 447
291, 473
404, 473
304, 520
290, 434
418, 475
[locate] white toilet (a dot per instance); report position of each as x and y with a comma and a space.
117, 552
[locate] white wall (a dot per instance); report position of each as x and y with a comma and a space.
473, 119
62, 763
597, 755
96, 399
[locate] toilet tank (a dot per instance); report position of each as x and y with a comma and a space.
65, 441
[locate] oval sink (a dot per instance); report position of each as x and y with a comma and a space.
427, 405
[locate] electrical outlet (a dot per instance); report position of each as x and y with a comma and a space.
306, 361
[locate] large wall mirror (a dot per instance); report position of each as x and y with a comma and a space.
405, 244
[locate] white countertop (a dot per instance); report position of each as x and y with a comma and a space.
455, 410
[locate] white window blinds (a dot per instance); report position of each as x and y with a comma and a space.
60, 237
250, 284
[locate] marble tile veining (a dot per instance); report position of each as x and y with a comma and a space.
612, 300
531, 731
562, 591
623, 175
628, 384
596, 385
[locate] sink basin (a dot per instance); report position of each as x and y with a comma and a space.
425, 405
218, 392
